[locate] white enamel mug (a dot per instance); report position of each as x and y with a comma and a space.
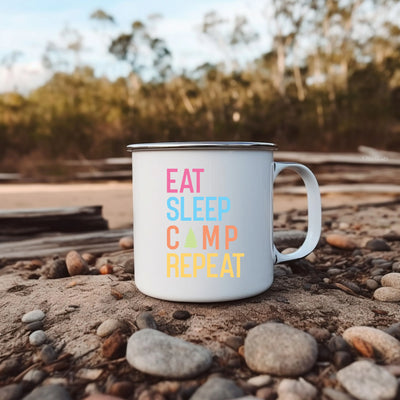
203, 219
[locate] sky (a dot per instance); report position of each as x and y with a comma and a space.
27, 26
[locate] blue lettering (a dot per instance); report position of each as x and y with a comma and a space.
197, 209
171, 216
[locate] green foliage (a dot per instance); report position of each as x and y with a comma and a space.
333, 98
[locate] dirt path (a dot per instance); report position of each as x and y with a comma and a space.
116, 198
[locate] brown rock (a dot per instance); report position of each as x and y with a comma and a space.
341, 241
76, 265
99, 396
126, 242
363, 347
114, 346
371, 341
89, 258
122, 389
106, 269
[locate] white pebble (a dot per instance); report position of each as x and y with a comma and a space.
296, 389
107, 327
392, 279
260, 380
32, 316
388, 294
367, 381
37, 338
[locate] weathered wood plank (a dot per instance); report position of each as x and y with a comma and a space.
97, 242
311, 158
68, 219
350, 188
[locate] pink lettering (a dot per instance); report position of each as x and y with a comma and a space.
170, 181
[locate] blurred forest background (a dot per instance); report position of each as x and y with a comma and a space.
329, 82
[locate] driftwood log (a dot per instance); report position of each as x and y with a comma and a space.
15, 223
98, 242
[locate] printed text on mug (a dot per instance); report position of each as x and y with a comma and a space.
181, 207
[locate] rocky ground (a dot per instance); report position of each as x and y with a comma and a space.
328, 328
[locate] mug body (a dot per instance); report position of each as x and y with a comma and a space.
203, 220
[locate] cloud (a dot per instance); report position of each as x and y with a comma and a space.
29, 30
23, 77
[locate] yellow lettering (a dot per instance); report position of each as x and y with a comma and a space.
209, 265
197, 266
238, 256
224, 269
184, 265
174, 265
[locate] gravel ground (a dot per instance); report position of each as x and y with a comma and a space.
323, 330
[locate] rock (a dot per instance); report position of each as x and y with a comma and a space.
392, 236
333, 394
367, 381
320, 334
371, 284
12, 392
234, 342
35, 376
217, 389
394, 330
33, 316
57, 269
387, 294
248, 398
396, 266
296, 390
122, 389
89, 258
266, 393
37, 338
109, 326
166, 387
126, 242
99, 396
34, 326
393, 369
279, 349
145, 320
378, 245
282, 270
76, 265
106, 269
288, 250
341, 241
260, 380
114, 346
334, 271
91, 374
312, 258
50, 392
48, 354
364, 339
181, 315
392, 280
342, 359
343, 226
55, 380
156, 353
291, 238
10, 366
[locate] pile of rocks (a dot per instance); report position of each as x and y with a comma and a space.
281, 345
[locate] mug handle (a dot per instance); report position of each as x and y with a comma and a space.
314, 212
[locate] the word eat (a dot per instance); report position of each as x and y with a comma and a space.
187, 180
